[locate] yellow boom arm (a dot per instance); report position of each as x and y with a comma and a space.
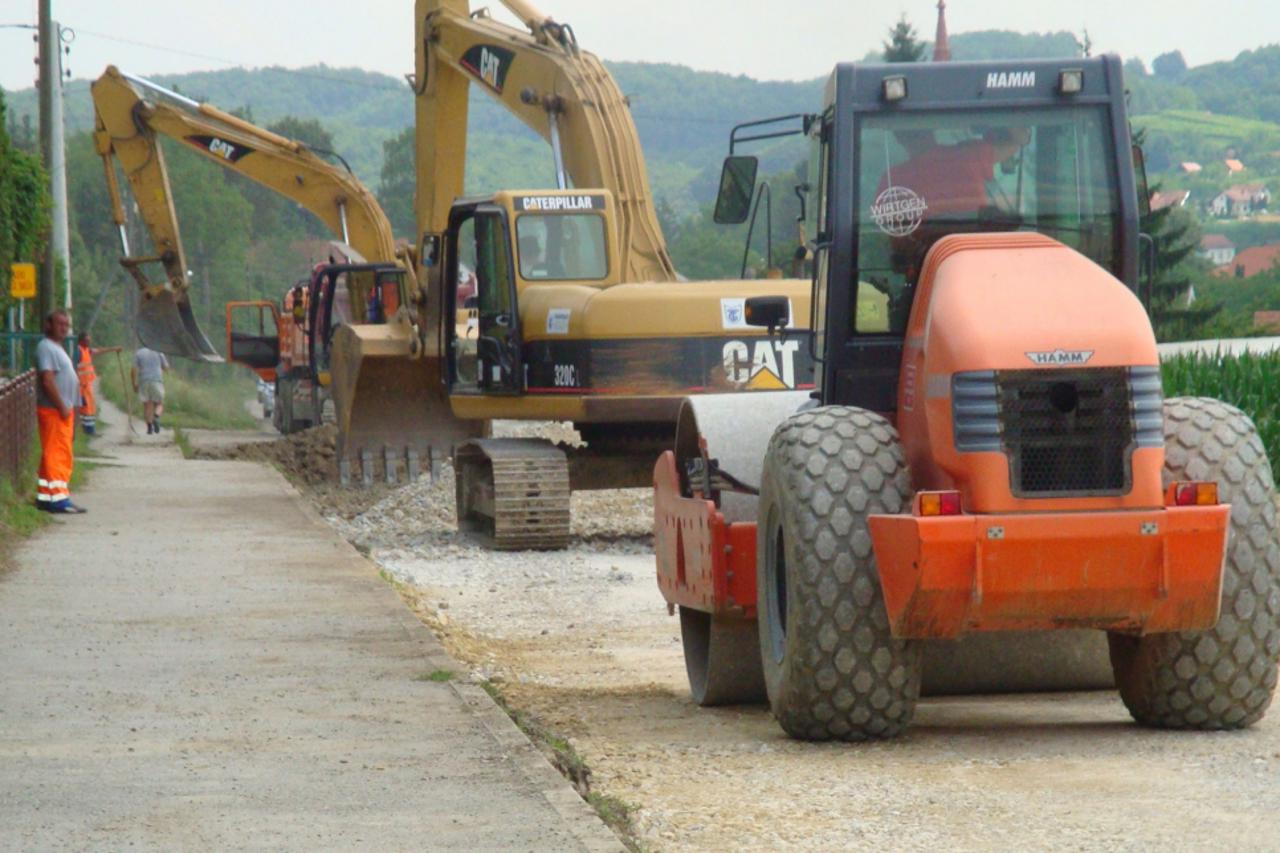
131, 113
564, 94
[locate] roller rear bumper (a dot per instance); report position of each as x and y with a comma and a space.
1146, 571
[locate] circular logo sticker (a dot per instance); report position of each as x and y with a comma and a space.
898, 211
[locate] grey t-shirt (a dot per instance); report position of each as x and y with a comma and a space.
150, 364
50, 356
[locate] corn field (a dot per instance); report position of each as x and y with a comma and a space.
1249, 381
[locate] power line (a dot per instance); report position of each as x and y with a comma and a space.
386, 87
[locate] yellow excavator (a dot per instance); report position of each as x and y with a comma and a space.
575, 310
131, 115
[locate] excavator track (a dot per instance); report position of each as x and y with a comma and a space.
513, 493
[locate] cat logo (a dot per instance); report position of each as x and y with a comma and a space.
1011, 79
489, 63
762, 365
218, 147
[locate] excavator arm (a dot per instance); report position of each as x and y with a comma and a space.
132, 113
561, 92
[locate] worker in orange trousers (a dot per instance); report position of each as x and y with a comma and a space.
57, 391
88, 374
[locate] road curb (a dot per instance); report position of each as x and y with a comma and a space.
579, 818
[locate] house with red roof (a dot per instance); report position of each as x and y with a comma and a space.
1217, 249
1240, 200
1252, 261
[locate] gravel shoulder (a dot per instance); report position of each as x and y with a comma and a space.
582, 640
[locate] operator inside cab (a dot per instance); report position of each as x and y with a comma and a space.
926, 176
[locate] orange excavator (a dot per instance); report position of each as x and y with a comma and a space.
988, 489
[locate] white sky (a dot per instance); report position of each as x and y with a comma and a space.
800, 39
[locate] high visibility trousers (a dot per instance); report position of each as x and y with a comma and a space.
56, 461
88, 408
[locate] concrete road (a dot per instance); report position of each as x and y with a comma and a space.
200, 662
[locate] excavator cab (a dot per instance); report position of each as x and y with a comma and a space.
496, 250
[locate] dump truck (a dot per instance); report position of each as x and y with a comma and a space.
988, 462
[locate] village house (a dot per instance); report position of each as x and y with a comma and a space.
1252, 261
1233, 165
1240, 200
1190, 168
1217, 249
1170, 198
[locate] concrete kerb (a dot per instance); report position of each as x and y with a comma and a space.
580, 819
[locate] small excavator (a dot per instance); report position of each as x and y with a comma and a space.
131, 115
570, 306
987, 490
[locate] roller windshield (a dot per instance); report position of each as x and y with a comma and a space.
925, 175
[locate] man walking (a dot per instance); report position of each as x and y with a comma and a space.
56, 394
88, 375
149, 367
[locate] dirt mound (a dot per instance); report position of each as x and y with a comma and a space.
309, 456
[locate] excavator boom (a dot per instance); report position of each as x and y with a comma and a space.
133, 113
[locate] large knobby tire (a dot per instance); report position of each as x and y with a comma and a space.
1222, 678
831, 667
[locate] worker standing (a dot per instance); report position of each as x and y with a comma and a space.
88, 375
149, 367
56, 395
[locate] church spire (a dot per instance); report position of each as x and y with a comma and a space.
941, 45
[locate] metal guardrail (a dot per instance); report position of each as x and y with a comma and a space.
17, 423
18, 351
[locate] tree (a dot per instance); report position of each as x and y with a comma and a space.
1176, 233
1170, 66
903, 44
24, 206
397, 182
1135, 67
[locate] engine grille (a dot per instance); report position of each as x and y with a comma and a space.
1066, 432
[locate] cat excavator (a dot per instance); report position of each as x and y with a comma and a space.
571, 306
131, 115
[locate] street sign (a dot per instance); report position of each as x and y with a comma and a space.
22, 281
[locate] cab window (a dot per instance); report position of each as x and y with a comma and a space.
923, 176
562, 247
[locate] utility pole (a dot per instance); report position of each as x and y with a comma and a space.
48, 50
53, 154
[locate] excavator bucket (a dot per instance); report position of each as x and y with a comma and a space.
394, 419
166, 324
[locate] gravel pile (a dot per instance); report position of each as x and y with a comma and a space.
421, 517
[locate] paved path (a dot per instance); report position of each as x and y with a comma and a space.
199, 662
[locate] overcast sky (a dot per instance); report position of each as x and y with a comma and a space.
793, 40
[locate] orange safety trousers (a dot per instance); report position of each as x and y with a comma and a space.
88, 374
56, 461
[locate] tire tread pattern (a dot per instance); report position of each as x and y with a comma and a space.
1222, 678
843, 676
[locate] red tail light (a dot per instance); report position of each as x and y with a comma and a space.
938, 503
1192, 493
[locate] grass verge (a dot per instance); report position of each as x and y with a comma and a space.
201, 396
615, 812
183, 441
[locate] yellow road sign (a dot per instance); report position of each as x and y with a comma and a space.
22, 281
